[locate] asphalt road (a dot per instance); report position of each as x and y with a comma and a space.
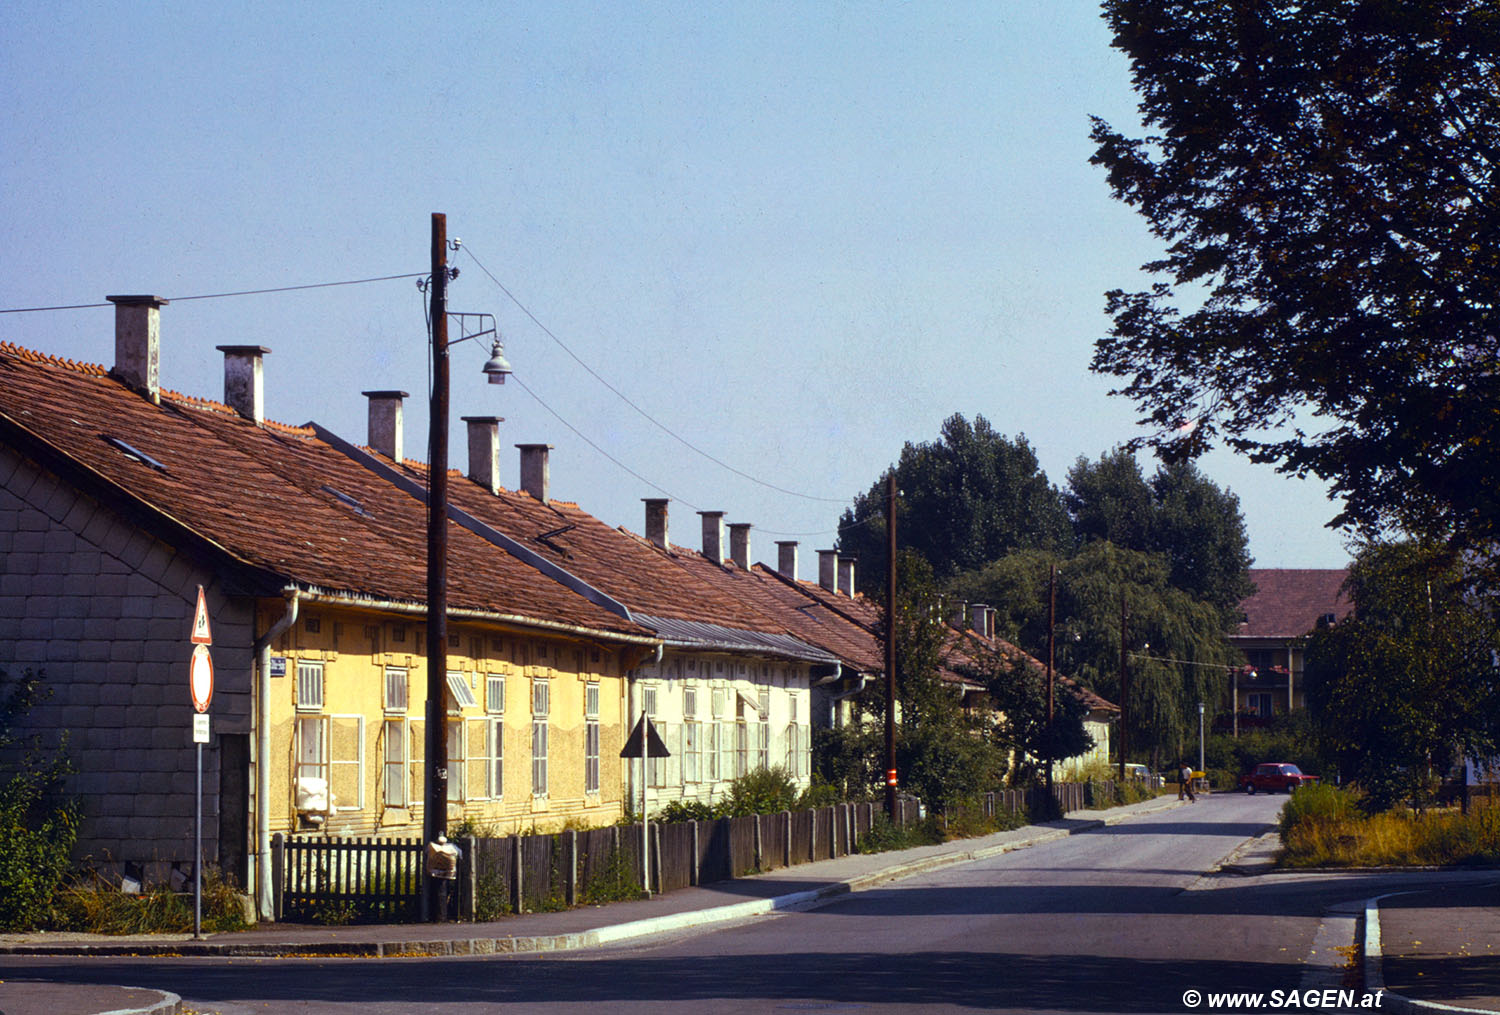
1123, 919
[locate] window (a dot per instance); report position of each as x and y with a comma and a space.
691, 751
591, 738
1259, 704
541, 703
458, 687
346, 762
726, 750
793, 740
456, 757
741, 748
312, 748
494, 693
395, 689
309, 686
713, 751
494, 767
395, 789
649, 698
416, 762
763, 733
690, 703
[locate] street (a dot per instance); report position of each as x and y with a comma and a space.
1125, 918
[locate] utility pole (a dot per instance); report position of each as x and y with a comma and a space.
435, 802
890, 645
1051, 657
1124, 688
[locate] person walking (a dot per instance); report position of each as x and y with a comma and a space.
1185, 784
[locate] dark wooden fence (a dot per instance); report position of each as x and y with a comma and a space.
354, 880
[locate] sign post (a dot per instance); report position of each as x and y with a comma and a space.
645, 743
201, 686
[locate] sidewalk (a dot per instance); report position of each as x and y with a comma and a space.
1439, 948
801, 887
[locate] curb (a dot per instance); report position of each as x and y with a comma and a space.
521, 944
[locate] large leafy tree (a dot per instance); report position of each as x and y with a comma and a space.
1324, 176
967, 498
1179, 513
1178, 656
1408, 684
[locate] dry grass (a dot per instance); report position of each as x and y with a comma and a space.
1324, 827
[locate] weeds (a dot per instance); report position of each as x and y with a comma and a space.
1323, 826
96, 907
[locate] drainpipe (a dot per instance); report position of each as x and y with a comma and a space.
265, 899
834, 699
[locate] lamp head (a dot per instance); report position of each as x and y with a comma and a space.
498, 367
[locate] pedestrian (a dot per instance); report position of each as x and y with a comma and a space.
1185, 784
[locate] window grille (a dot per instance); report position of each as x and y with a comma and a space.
494, 693
395, 689
310, 686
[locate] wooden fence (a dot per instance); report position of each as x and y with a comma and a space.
354, 880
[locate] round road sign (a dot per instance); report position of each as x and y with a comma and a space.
201, 678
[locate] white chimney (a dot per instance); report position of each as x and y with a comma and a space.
536, 474
484, 450
846, 576
828, 569
244, 386
713, 535
739, 544
385, 428
960, 616
138, 343
786, 557
656, 521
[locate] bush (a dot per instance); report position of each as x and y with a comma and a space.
884, 836
762, 791
1326, 826
38, 821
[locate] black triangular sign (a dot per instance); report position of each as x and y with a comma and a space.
644, 733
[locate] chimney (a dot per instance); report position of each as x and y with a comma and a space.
739, 544
846, 576
786, 557
385, 423
656, 521
982, 620
244, 389
960, 615
713, 535
138, 343
828, 569
536, 476
484, 450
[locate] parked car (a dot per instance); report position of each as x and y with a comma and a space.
1274, 775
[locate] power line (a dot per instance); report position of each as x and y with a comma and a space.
219, 296
627, 400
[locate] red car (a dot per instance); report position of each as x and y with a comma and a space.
1274, 775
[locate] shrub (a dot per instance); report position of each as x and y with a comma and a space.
38, 821
763, 791
687, 810
884, 836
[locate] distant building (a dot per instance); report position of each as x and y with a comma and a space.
1288, 604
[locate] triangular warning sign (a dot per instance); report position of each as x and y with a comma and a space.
645, 734
201, 634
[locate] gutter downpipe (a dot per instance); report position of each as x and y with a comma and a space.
264, 896
834, 699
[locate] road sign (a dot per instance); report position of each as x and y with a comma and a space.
200, 729
201, 678
644, 737
201, 635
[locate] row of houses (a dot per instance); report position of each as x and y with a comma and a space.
121, 499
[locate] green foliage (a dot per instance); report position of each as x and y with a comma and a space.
1185, 664
615, 881
1406, 686
688, 810
967, 498
38, 820
1322, 826
884, 836
1180, 514
1319, 173
1019, 728
1292, 737
761, 791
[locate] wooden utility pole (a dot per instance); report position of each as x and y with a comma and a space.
1124, 689
890, 645
435, 802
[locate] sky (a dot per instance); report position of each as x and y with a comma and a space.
794, 236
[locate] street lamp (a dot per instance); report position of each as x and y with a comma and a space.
1200, 736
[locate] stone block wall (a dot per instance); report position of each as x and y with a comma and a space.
103, 610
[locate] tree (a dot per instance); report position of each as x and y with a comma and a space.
1179, 513
1178, 653
1408, 684
1323, 173
1018, 693
967, 498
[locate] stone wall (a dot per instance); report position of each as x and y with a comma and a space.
103, 610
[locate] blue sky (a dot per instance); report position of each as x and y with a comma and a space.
798, 235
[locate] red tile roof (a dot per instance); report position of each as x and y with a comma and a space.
271, 499
1288, 602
